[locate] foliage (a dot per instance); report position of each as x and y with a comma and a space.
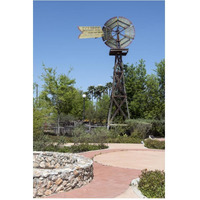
102, 109
61, 101
90, 113
119, 134
41, 114
158, 128
102, 135
145, 127
41, 142
87, 147
60, 94
117, 131
97, 135
152, 184
139, 127
154, 144
153, 100
135, 83
74, 148
124, 139
145, 93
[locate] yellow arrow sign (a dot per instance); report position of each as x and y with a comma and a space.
90, 32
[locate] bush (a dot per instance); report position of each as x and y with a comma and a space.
41, 141
152, 184
118, 130
154, 144
147, 127
158, 128
75, 148
123, 139
99, 135
140, 127
86, 147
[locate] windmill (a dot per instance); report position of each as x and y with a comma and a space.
117, 33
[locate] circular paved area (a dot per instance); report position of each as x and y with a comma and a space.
113, 181
140, 160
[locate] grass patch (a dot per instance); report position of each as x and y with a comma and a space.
154, 144
152, 184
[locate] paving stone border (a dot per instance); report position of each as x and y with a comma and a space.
134, 184
57, 172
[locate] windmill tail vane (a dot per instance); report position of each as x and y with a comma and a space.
90, 32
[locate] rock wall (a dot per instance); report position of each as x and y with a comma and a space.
56, 172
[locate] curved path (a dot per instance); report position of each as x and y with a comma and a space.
109, 181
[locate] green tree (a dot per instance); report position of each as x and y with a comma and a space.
135, 82
90, 112
59, 92
41, 114
91, 90
102, 109
160, 71
109, 88
153, 100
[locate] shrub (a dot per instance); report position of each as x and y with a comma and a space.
86, 147
118, 130
154, 144
147, 127
124, 139
142, 128
99, 135
79, 134
41, 141
75, 148
158, 127
152, 184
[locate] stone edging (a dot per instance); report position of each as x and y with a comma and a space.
134, 184
56, 172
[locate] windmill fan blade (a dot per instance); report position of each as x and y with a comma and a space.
111, 43
130, 32
110, 21
124, 42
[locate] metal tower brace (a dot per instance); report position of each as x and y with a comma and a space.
118, 96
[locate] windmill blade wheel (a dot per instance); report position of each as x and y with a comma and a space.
118, 32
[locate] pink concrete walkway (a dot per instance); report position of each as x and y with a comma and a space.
108, 181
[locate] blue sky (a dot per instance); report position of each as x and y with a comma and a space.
56, 43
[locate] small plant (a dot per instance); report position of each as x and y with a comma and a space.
152, 184
154, 144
